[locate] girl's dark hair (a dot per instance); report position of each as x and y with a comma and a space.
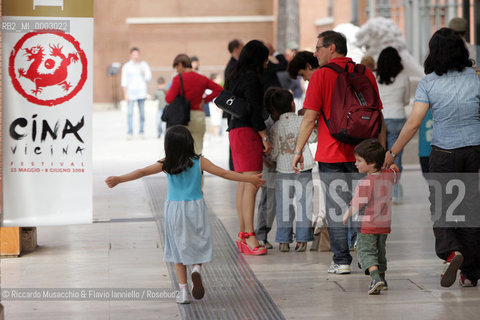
277, 101
389, 65
372, 151
447, 52
252, 58
179, 150
300, 61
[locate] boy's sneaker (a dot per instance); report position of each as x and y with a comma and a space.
449, 274
464, 282
385, 285
339, 268
376, 286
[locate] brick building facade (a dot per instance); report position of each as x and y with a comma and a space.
164, 28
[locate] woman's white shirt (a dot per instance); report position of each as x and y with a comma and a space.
395, 97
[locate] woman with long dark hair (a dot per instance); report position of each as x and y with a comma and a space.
451, 90
248, 137
394, 89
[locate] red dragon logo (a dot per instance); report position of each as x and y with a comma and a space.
47, 79
48, 75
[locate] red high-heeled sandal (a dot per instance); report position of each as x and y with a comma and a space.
257, 251
239, 242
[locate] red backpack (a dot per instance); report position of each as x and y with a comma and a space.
355, 109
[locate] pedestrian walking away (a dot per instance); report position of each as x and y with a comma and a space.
335, 159
394, 89
372, 206
451, 90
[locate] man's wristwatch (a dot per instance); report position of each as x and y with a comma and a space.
394, 155
297, 152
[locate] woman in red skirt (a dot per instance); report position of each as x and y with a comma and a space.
248, 137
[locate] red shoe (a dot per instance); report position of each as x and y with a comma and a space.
464, 282
239, 242
257, 251
453, 263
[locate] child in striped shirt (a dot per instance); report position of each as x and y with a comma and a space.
279, 103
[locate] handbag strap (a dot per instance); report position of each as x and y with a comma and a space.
181, 85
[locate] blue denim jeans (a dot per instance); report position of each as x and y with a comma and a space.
141, 109
290, 186
336, 181
394, 126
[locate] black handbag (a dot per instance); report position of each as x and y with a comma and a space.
177, 112
232, 104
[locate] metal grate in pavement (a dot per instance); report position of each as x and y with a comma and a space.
118, 220
232, 289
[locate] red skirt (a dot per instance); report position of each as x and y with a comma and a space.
247, 149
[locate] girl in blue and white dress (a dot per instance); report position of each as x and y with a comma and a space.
188, 239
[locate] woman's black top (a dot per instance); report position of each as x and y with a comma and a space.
249, 87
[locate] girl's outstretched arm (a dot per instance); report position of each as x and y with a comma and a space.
134, 175
255, 179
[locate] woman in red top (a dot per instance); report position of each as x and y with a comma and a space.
194, 85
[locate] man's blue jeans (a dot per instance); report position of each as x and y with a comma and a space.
290, 186
336, 181
141, 109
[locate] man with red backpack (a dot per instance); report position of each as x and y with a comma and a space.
348, 111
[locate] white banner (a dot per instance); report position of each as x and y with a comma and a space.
47, 120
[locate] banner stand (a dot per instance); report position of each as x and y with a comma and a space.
47, 91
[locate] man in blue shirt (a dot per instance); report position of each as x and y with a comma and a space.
135, 75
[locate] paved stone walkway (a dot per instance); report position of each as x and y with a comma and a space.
123, 250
